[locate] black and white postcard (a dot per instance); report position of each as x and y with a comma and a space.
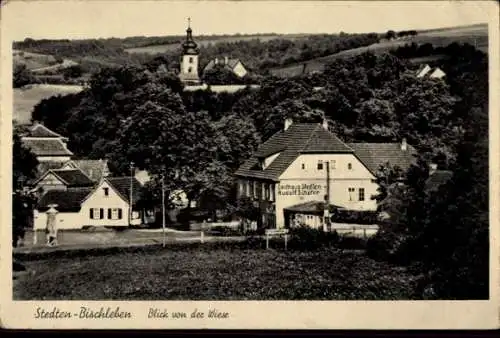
249, 164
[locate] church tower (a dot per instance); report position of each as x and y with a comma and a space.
189, 60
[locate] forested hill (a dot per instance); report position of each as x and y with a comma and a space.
257, 52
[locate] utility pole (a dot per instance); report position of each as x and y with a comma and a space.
131, 193
327, 197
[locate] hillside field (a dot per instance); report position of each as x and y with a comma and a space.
26, 98
33, 60
158, 49
475, 35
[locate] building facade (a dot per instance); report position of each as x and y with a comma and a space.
105, 205
189, 62
306, 163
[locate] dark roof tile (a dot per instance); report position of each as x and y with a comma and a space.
69, 200
437, 179
374, 155
122, 185
298, 138
94, 169
46, 147
73, 177
39, 130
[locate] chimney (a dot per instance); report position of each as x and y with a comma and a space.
325, 124
216, 61
404, 145
432, 168
288, 122
226, 59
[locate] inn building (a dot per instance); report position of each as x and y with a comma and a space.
306, 163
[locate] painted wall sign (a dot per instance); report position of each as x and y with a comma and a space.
299, 189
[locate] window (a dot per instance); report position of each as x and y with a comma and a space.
106, 191
254, 189
332, 164
190, 69
96, 213
361, 194
303, 166
351, 194
320, 165
114, 213
242, 188
349, 166
266, 192
272, 192
190, 60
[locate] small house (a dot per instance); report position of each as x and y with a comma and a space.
105, 205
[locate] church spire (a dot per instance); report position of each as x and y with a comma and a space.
189, 46
189, 31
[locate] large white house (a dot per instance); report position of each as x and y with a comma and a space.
306, 163
106, 204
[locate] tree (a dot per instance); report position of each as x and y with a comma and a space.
22, 76
24, 168
72, 72
390, 35
457, 266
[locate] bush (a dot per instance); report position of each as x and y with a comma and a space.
390, 246
306, 238
354, 216
351, 243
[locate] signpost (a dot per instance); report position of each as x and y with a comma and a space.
275, 233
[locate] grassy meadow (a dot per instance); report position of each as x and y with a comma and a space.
27, 97
214, 272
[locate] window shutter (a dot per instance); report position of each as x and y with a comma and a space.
101, 213
91, 213
119, 213
109, 214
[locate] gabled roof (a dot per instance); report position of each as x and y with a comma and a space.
69, 200
297, 139
94, 169
46, 147
311, 207
73, 177
122, 186
374, 155
39, 130
437, 178
231, 64
69, 177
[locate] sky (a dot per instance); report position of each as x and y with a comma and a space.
76, 19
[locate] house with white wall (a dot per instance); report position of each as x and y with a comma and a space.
235, 66
105, 205
306, 163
